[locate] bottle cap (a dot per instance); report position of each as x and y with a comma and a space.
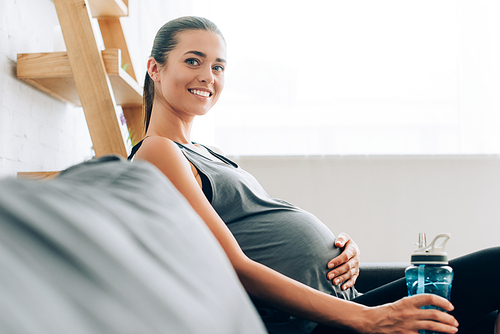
432, 254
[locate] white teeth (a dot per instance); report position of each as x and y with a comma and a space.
200, 92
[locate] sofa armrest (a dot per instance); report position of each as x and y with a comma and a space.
375, 274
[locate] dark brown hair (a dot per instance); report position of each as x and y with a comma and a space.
165, 41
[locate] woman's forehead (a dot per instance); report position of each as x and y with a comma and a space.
207, 42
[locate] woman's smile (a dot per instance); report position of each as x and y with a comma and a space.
201, 92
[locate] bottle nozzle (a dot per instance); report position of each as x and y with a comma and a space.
422, 242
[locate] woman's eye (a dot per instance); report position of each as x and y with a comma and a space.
218, 68
193, 62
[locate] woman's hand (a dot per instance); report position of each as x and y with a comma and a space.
346, 265
406, 316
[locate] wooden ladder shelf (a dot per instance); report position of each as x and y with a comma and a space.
89, 77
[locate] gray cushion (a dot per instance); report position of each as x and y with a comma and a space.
110, 246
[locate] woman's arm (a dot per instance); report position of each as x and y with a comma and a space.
289, 295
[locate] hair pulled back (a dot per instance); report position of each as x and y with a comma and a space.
165, 41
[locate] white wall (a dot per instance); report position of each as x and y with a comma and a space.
383, 202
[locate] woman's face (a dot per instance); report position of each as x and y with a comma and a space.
193, 78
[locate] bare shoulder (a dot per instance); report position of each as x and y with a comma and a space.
164, 154
155, 144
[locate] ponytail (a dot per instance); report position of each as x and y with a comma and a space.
148, 97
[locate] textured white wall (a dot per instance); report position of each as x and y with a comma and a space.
383, 202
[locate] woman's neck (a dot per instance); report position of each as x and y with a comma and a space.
171, 126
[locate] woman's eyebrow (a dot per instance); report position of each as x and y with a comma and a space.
202, 55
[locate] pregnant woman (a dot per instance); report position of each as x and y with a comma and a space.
292, 266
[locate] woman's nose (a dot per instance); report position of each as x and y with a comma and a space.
206, 76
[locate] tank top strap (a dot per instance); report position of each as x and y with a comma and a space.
134, 149
215, 154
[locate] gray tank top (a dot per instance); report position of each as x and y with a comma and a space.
270, 231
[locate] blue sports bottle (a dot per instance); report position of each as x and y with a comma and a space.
429, 271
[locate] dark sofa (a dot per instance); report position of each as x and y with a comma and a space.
375, 274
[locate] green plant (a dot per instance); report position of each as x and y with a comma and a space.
132, 138
125, 66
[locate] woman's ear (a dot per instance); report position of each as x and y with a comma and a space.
153, 69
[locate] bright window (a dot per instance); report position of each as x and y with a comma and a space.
356, 77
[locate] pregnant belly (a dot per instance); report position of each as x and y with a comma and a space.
292, 242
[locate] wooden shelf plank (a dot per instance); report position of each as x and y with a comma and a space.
108, 8
55, 64
39, 176
127, 91
51, 73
